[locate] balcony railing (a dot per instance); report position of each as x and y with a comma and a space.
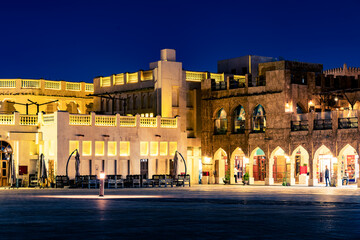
299, 125
239, 126
322, 124
236, 84
350, 122
216, 86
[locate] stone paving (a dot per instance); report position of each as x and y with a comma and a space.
198, 212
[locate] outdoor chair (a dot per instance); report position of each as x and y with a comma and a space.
93, 181
136, 181
111, 181
168, 180
162, 180
61, 181
155, 180
147, 182
119, 181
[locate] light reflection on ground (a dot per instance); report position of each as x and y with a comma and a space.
104, 197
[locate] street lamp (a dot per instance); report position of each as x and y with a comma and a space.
102, 185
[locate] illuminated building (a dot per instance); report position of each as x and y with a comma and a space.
278, 121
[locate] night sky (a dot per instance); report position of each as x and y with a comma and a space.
78, 40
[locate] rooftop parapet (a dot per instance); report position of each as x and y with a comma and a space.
45, 85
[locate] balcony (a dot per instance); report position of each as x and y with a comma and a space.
346, 123
239, 126
217, 86
322, 124
299, 125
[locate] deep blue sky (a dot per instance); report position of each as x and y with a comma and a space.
78, 40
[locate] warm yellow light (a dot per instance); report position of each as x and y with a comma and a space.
154, 148
207, 160
99, 148
172, 148
111, 148
311, 103
86, 148
163, 148
102, 175
144, 148
73, 145
124, 148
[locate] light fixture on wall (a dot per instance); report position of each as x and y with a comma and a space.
79, 135
105, 135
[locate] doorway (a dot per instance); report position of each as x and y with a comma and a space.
5, 152
144, 168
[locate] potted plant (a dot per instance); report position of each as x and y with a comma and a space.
226, 179
246, 178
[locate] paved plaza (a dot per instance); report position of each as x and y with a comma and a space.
198, 212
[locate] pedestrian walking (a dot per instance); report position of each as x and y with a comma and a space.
327, 175
236, 174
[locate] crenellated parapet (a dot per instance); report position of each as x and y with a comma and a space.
343, 71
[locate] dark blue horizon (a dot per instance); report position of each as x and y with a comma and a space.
76, 41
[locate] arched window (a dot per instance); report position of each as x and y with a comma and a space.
259, 119
220, 126
239, 119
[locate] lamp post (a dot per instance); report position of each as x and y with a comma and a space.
102, 185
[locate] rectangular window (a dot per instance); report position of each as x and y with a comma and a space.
163, 148
51, 148
86, 148
144, 148
124, 148
73, 145
154, 148
172, 148
111, 148
99, 148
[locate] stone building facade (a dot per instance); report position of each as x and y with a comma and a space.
279, 131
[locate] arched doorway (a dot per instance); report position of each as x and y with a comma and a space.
259, 165
349, 164
221, 165
324, 158
280, 165
300, 165
5, 157
240, 164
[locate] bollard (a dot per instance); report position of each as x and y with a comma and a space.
102, 184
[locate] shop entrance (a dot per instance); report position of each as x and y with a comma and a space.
5, 154
349, 165
323, 162
238, 158
221, 165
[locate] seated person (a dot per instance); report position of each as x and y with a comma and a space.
345, 179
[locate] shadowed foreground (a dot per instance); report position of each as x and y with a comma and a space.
211, 212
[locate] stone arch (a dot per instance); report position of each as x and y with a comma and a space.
72, 107
220, 165
258, 119
348, 164
278, 165
238, 161
257, 165
300, 166
322, 157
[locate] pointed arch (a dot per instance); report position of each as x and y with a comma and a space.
220, 122
348, 164
323, 158
259, 119
239, 119
257, 165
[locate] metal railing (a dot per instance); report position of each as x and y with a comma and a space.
322, 124
350, 122
299, 125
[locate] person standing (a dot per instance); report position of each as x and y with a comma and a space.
236, 174
327, 175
